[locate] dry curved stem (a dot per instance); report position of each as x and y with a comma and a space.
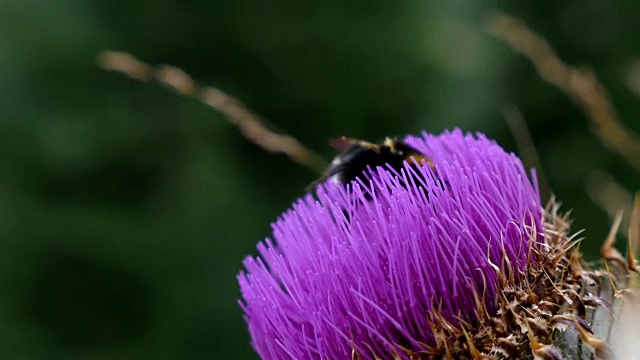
250, 124
580, 85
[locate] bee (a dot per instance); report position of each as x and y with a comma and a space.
356, 156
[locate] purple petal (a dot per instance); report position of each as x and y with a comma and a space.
349, 271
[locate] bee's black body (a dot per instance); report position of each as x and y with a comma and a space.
358, 155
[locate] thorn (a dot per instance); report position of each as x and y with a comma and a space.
608, 251
633, 239
475, 354
600, 347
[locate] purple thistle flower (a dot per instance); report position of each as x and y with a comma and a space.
359, 271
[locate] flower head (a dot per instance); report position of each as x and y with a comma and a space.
373, 269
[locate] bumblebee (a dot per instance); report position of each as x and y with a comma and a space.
358, 155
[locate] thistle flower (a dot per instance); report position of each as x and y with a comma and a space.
376, 270
449, 258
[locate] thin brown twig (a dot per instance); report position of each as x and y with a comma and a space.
526, 147
250, 124
580, 85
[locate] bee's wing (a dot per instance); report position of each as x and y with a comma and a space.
343, 143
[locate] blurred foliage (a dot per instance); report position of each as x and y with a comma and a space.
125, 210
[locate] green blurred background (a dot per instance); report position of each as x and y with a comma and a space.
125, 210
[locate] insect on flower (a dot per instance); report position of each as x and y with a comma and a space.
474, 269
357, 156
